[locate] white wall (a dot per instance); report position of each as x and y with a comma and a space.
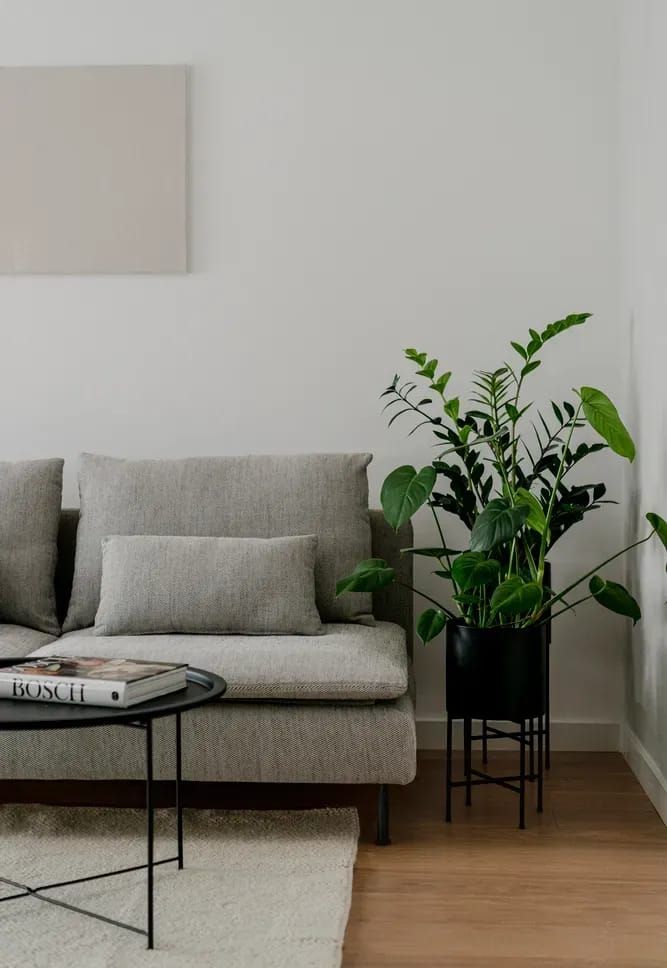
644, 235
365, 175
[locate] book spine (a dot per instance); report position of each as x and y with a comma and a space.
52, 689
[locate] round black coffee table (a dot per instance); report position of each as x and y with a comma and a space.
21, 714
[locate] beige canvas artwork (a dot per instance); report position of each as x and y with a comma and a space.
93, 169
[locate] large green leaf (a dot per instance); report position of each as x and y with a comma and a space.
497, 523
659, 525
553, 329
614, 597
516, 597
536, 518
368, 576
404, 492
430, 623
603, 417
473, 569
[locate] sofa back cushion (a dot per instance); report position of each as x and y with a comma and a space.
30, 498
208, 586
239, 497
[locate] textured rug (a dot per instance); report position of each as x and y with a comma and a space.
259, 889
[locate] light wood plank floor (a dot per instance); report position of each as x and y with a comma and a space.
584, 886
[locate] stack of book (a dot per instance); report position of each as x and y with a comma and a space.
91, 681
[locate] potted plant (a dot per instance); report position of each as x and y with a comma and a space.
505, 468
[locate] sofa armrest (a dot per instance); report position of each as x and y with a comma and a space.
395, 603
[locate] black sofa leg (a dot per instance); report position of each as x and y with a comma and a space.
383, 816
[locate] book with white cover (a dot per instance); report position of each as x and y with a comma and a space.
91, 681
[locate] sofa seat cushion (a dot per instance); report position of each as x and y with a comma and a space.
347, 663
17, 640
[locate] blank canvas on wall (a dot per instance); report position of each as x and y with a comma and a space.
93, 169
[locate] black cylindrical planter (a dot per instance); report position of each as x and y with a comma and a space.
496, 673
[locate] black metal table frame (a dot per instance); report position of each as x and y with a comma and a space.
525, 737
145, 724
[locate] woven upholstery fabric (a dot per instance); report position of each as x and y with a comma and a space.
30, 498
347, 663
252, 586
233, 741
236, 497
17, 640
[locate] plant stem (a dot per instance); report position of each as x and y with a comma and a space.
561, 595
552, 499
563, 610
428, 598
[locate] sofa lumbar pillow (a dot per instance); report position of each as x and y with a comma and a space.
30, 498
254, 586
240, 497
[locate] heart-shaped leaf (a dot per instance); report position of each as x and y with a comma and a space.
472, 569
404, 492
516, 597
496, 524
536, 518
368, 576
603, 417
659, 525
430, 623
614, 597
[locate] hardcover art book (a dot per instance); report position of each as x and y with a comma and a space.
91, 681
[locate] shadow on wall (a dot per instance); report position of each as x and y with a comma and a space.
646, 662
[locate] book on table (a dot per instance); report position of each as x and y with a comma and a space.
85, 680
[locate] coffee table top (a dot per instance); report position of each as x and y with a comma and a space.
15, 714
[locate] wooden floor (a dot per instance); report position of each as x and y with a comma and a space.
585, 886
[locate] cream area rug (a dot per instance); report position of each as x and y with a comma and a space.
259, 889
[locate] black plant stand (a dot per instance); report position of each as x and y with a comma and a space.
525, 734
497, 674
18, 715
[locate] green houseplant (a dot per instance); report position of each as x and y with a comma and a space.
507, 472
505, 468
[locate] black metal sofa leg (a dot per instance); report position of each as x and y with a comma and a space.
383, 816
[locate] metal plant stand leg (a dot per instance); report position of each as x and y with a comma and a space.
531, 747
547, 702
383, 816
467, 742
540, 765
485, 743
522, 776
448, 781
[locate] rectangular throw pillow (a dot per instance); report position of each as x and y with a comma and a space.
30, 501
253, 586
236, 497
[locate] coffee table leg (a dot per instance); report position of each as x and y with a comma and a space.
179, 793
149, 830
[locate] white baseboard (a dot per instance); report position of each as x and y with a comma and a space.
646, 770
598, 737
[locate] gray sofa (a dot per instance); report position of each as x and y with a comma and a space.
336, 708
